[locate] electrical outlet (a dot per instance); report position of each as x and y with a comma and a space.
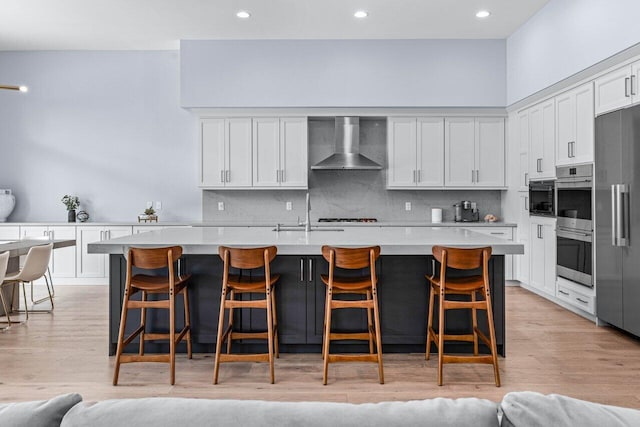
149, 205
289, 206
158, 205
220, 206
407, 206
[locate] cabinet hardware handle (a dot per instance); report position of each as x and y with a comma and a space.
473, 174
302, 270
497, 232
45, 233
310, 270
283, 176
569, 149
526, 203
540, 165
228, 173
222, 175
51, 235
108, 233
633, 78
419, 176
626, 87
563, 292
277, 175
614, 215
433, 266
582, 301
477, 175
414, 175
526, 179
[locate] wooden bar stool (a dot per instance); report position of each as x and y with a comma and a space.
461, 259
172, 285
352, 259
247, 282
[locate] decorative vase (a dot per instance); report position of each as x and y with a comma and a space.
82, 216
7, 203
71, 216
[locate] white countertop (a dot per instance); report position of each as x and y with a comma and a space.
381, 223
393, 240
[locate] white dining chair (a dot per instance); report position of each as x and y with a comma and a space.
35, 267
4, 261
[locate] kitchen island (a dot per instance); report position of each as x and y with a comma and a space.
405, 259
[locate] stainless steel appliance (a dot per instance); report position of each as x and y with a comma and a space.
346, 155
574, 207
617, 225
466, 211
542, 198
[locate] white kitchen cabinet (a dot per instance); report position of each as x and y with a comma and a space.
617, 89
523, 236
95, 265
575, 126
415, 150
474, 152
225, 153
542, 140
63, 260
543, 255
9, 232
523, 142
280, 152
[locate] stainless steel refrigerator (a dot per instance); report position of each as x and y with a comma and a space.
617, 206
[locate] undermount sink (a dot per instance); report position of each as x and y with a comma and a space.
301, 228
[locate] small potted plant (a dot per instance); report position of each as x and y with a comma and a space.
72, 203
149, 215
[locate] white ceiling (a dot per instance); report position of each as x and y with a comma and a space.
160, 24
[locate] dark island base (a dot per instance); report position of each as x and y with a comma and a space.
403, 299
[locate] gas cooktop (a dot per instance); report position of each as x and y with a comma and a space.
347, 220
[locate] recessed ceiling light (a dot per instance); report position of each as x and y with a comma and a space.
24, 89
361, 14
483, 14
243, 14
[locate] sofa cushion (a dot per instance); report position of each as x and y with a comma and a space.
534, 409
160, 412
41, 413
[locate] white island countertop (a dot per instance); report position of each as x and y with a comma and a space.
392, 240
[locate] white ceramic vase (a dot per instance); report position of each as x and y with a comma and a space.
7, 203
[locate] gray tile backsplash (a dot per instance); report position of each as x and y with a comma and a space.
336, 193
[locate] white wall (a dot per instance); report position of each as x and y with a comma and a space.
106, 126
342, 73
565, 37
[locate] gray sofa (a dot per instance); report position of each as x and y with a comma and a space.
516, 409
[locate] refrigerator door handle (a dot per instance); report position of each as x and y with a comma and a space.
623, 215
614, 215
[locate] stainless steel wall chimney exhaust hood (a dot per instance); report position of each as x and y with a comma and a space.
346, 154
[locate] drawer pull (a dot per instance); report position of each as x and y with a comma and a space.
563, 292
582, 301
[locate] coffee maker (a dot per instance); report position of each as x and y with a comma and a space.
466, 211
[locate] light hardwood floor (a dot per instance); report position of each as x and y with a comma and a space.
549, 350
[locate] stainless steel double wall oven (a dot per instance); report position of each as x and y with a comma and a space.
574, 209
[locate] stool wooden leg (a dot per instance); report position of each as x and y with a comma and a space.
216, 364
270, 334
474, 321
440, 334
376, 313
275, 322
326, 339
429, 323
187, 320
232, 296
123, 322
172, 336
143, 319
370, 324
492, 336
324, 326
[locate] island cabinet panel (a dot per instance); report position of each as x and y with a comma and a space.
300, 296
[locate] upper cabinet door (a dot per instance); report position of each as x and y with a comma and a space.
238, 145
401, 152
459, 144
266, 152
613, 90
430, 152
294, 161
542, 140
212, 153
489, 152
575, 126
